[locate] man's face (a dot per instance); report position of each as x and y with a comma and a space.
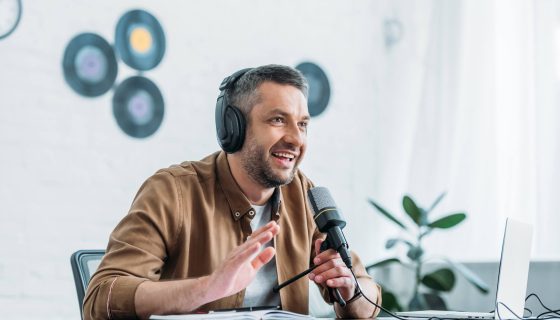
276, 135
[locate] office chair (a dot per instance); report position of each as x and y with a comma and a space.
84, 263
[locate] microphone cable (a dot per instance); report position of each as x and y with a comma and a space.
360, 291
552, 314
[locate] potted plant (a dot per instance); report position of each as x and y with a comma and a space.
428, 286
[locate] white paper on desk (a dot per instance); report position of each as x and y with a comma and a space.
244, 315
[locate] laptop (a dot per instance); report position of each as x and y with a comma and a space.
512, 279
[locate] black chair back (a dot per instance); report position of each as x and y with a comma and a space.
84, 263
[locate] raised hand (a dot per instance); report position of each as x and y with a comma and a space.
241, 265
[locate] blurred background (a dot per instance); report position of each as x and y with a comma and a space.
407, 97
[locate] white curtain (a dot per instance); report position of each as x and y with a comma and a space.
461, 109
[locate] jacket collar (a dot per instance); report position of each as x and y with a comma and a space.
238, 202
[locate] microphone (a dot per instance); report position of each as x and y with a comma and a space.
329, 221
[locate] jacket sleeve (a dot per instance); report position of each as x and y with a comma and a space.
137, 249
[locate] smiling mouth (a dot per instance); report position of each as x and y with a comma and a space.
284, 156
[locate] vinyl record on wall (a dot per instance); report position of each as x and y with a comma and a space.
138, 107
10, 15
140, 40
89, 64
319, 87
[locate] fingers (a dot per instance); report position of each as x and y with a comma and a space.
325, 256
249, 245
264, 234
263, 258
246, 253
321, 257
336, 269
342, 282
329, 264
260, 236
272, 226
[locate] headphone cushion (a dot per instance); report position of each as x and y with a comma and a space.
234, 125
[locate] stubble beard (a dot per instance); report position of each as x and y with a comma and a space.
254, 162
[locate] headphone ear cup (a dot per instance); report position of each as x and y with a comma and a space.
230, 121
235, 124
219, 117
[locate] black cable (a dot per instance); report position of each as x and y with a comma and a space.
555, 314
360, 291
503, 304
552, 312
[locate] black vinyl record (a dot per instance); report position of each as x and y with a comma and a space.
319, 87
138, 107
140, 40
89, 65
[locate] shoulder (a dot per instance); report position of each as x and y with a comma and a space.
201, 168
175, 181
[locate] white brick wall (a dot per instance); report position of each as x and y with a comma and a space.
67, 172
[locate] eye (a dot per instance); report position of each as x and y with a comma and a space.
277, 120
303, 125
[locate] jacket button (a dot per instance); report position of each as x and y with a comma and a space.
237, 214
251, 213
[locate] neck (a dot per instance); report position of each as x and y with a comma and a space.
255, 192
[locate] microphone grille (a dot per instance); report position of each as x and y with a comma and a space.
320, 198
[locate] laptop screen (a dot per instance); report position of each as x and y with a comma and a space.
514, 270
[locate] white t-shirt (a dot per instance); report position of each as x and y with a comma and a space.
259, 292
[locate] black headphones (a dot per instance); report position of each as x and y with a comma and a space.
230, 121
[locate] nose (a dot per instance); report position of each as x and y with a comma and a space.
295, 135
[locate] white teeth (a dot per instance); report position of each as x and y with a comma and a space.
284, 155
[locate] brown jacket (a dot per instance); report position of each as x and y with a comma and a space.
182, 224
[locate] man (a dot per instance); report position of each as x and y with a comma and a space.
223, 231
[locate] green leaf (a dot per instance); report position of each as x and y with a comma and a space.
441, 280
469, 275
387, 214
448, 221
393, 241
438, 200
415, 253
412, 210
383, 263
390, 301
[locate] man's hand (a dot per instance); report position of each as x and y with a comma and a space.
234, 274
332, 271
240, 266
